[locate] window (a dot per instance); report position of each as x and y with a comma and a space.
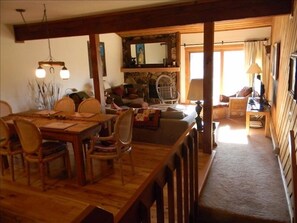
229, 75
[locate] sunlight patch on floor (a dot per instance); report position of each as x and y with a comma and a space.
236, 136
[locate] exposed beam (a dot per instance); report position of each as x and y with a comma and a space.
164, 16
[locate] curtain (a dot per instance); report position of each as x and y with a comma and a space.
255, 53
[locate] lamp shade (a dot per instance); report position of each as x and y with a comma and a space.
196, 90
254, 69
64, 73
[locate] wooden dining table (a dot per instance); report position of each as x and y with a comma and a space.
68, 127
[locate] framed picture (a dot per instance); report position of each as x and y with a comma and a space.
292, 85
140, 53
275, 60
102, 58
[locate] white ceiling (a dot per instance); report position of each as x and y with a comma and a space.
68, 9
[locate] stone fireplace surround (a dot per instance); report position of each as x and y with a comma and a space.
148, 82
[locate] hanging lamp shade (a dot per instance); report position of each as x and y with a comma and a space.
64, 73
40, 72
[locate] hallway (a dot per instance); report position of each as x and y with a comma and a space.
244, 182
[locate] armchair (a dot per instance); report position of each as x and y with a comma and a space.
237, 102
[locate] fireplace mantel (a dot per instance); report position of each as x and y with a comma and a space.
150, 69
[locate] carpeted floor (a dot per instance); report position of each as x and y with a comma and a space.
244, 183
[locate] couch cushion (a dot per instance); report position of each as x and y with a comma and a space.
173, 114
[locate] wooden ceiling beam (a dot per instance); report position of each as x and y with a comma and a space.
229, 25
164, 16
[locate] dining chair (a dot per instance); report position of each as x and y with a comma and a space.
65, 104
5, 108
9, 147
38, 151
113, 147
89, 105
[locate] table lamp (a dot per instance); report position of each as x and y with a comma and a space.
196, 93
254, 69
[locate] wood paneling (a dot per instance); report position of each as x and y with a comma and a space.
284, 112
172, 15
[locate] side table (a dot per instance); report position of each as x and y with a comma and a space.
250, 112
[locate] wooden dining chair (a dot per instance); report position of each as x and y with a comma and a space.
5, 108
113, 147
65, 104
9, 147
38, 151
89, 105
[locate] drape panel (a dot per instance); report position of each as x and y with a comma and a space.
255, 53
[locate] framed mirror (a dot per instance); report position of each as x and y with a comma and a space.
149, 51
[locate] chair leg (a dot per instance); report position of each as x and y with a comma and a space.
90, 167
28, 171
41, 171
2, 165
68, 165
23, 162
121, 170
132, 163
11, 164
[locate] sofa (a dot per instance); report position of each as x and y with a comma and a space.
173, 123
130, 95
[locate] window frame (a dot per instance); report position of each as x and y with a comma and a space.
217, 48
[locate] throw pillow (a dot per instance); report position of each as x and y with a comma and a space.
224, 98
118, 90
245, 92
133, 96
132, 90
171, 109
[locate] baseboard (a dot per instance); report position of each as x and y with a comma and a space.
206, 171
274, 139
286, 190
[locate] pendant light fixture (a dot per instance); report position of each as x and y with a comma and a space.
40, 71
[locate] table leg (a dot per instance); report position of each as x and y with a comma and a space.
79, 161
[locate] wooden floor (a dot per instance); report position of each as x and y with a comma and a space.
64, 199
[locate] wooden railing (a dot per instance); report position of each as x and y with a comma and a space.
292, 146
170, 192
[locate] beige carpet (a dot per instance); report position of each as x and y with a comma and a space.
244, 183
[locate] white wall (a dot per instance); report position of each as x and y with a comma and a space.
114, 58
226, 36
18, 62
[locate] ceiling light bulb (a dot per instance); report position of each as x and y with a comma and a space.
40, 72
64, 73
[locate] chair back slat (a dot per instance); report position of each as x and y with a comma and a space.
123, 127
5, 108
29, 135
4, 133
90, 105
65, 104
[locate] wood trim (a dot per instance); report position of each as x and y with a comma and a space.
189, 50
151, 69
208, 87
164, 16
198, 28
